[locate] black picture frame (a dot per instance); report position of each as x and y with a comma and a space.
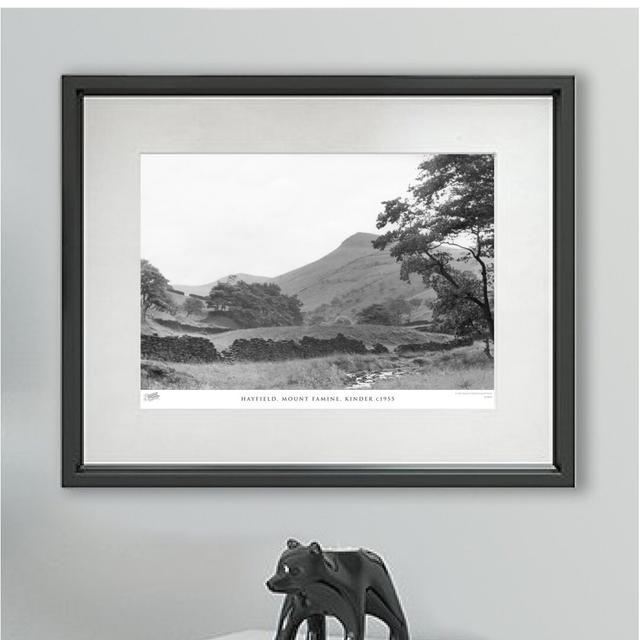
76, 474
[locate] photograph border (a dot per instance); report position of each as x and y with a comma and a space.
76, 473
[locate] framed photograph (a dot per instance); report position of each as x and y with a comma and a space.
318, 281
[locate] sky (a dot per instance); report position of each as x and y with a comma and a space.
205, 216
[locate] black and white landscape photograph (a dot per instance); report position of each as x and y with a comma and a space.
317, 272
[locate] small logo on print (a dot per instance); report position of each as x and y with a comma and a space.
154, 395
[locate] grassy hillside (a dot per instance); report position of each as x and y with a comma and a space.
349, 278
352, 276
370, 334
153, 323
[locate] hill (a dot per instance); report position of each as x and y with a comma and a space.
352, 276
349, 278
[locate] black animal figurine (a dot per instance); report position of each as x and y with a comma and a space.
344, 584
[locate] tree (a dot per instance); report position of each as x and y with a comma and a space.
398, 308
258, 304
453, 312
153, 290
375, 314
222, 296
193, 306
447, 219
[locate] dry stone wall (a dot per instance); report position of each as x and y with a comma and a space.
178, 349
258, 349
192, 349
421, 347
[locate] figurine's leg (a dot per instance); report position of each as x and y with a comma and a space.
285, 612
289, 629
354, 626
375, 606
289, 621
316, 627
399, 632
355, 632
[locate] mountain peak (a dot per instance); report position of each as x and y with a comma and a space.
359, 239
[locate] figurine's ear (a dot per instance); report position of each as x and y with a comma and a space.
292, 544
314, 547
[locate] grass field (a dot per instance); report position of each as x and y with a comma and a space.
462, 368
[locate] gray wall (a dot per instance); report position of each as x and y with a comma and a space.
187, 564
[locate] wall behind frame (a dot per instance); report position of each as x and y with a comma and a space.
167, 564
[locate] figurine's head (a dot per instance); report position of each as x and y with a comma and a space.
298, 566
